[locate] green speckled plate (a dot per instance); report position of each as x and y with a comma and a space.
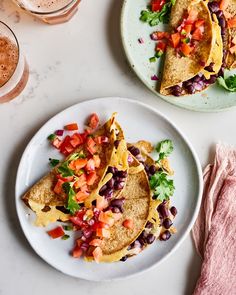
213, 99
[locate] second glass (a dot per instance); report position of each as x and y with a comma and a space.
50, 11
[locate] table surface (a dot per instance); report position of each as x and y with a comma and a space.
80, 60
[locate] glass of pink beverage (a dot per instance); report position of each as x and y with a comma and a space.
14, 71
50, 11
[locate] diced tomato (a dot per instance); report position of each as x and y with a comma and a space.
128, 223
224, 4
80, 163
91, 145
101, 203
187, 29
199, 23
232, 22
156, 5
234, 40
102, 139
95, 242
84, 188
65, 146
232, 49
56, 232
58, 187
71, 127
77, 252
106, 217
186, 49
65, 179
91, 178
161, 46
97, 254
81, 181
97, 161
81, 196
76, 220
93, 121
175, 39
90, 166
56, 143
161, 35
197, 34
76, 139
103, 233
192, 16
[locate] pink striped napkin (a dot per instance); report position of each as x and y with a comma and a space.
214, 232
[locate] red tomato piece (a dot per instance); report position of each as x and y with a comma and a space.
175, 39
93, 121
187, 29
77, 252
156, 5
56, 143
58, 187
80, 163
101, 203
65, 179
161, 46
76, 139
106, 217
128, 223
91, 178
71, 127
56, 232
186, 49
198, 34
199, 23
81, 181
84, 188
103, 233
81, 196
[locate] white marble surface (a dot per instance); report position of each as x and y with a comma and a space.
75, 61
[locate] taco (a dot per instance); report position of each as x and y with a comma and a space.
196, 61
49, 198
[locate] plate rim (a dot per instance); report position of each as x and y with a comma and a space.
184, 138
164, 98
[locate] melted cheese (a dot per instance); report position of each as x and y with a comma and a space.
217, 50
44, 218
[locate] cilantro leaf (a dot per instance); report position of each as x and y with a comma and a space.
164, 148
162, 186
64, 170
156, 17
72, 205
228, 83
54, 162
76, 156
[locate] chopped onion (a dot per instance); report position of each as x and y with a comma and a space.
140, 40
154, 78
59, 132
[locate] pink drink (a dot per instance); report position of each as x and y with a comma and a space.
50, 11
13, 68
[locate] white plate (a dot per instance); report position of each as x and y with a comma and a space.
213, 99
139, 121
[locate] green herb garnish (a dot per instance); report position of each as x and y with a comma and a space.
228, 83
186, 40
164, 148
76, 156
156, 17
64, 170
68, 227
72, 205
51, 137
54, 162
163, 187
65, 237
159, 53
152, 59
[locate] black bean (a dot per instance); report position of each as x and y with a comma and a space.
137, 244
149, 224
122, 174
213, 6
134, 151
103, 190
167, 223
188, 83
118, 202
116, 143
190, 89
197, 78
176, 90
124, 258
150, 238
221, 72
110, 183
212, 79
165, 236
219, 13
111, 170
152, 169
222, 22
210, 67
173, 211
163, 211
119, 185
108, 193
